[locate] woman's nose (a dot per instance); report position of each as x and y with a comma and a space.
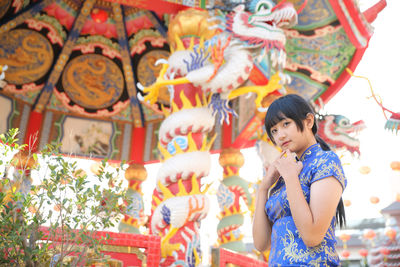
281, 135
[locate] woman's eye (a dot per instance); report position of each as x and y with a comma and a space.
286, 123
273, 131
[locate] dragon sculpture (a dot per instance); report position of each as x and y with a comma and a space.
212, 60
336, 131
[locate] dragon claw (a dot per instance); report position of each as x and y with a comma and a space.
167, 249
261, 90
154, 89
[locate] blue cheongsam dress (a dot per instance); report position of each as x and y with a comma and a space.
287, 247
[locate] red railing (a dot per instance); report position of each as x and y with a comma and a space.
125, 247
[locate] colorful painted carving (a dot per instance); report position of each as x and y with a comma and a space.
210, 58
230, 191
134, 216
228, 60
335, 130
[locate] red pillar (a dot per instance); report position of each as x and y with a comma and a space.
227, 133
33, 129
137, 144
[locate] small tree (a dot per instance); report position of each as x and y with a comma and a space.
58, 214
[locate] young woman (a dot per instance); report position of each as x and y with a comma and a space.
299, 199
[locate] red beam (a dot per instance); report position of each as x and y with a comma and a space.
158, 6
344, 21
371, 13
356, 16
243, 140
344, 77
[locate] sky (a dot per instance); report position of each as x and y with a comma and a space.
378, 146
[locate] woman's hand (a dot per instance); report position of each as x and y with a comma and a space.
270, 177
287, 164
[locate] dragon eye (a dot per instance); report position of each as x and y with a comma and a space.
344, 122
262, 6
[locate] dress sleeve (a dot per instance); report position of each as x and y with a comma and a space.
329, 165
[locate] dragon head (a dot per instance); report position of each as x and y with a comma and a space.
336, 131
264, 24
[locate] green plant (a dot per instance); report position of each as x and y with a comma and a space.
50, 209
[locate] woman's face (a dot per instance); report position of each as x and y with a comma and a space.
287, 135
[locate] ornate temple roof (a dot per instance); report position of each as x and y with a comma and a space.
74, 65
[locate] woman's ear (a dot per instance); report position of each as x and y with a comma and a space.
309, 121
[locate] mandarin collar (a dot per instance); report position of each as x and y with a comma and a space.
309, 151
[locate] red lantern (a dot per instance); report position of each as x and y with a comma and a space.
384, 251
370, 234
345, 254
99, 15
364, 170
395, 165
344, 237
346, 202
374, 200
363, 252
391, 233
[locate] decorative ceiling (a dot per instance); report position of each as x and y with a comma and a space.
74, 65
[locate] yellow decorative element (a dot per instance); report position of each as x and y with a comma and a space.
230, 172
185, 101
206, 189
191, 143
264, 254
195, 186
131, 222
196, 257
136, 172
167, 248
230, 211
231, 157
164, 152
232, 238
174, 107
179, 45
165, 191
261, 90
207, 146
165, 111
178, 148
190, 23
198, 101
377, 98
154, 89
182, 189
201, 42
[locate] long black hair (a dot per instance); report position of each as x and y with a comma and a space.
295, 107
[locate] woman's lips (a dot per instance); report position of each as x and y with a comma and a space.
285, 143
